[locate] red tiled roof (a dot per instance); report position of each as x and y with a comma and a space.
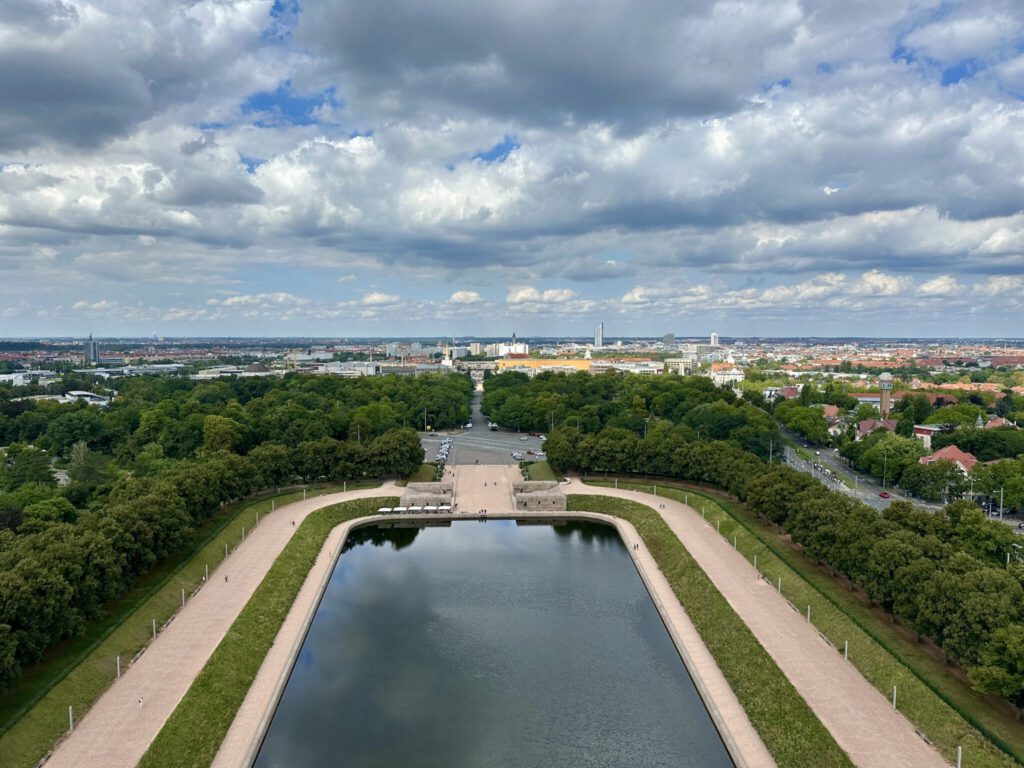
953, 454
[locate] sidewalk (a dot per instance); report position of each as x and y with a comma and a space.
120, 726
859, 718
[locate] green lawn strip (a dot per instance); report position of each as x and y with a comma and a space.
425, 474
540, 470
194, 732
873, 641
37, 716
790, 730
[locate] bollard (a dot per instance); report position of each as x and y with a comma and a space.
225, 550
344, 486
755, 563
808, 614
119, 666
182, 597
718, 526
656, 493
206, 573
687, 498
780, 585
271, 505
71, 719
846, 650
616, 483
959, 756
894, 697
243, 533
154, 629
734, 542
257, 518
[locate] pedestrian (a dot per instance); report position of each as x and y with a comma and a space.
225, 578
293, 523
140, 702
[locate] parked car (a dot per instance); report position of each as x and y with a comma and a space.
535, 434
531, 452
524, 438
517, 456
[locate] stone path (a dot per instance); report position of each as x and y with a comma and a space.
860, 718
118, 729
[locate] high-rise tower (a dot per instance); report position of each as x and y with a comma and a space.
599, 336
91, 351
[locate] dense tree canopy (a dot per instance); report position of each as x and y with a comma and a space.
145, 472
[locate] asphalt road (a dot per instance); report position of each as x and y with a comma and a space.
479, 445
865, 488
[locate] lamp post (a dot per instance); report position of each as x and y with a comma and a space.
647, 419
885, 466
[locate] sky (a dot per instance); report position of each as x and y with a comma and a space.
396, 167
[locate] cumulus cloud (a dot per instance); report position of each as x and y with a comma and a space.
465, 297
379, 299
856, 157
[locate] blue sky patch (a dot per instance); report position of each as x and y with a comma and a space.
500, 151
284, 16
961, 71
251, 163
284, 107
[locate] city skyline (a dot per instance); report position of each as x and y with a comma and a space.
258, 168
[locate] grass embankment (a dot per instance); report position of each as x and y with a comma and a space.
790, 730
193, 734
35, 713
540, 470
877, 648
425, 474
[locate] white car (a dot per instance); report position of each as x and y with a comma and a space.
469, 425
524, 438
517, 456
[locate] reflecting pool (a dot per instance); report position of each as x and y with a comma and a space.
489, 644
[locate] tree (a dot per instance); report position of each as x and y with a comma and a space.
397, 452
39, 516
25, 464
937, 481
221, 434
1000, 667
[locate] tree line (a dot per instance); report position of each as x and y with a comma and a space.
955, 577
149, 470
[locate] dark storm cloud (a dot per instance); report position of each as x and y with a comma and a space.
611, 61
82, 100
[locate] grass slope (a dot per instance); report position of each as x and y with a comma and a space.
880, 652
36, 712
193, 734
540, 470
793, 734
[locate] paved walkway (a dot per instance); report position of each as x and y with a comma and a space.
860, 718
122, 724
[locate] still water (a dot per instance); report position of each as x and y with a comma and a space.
489, 645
